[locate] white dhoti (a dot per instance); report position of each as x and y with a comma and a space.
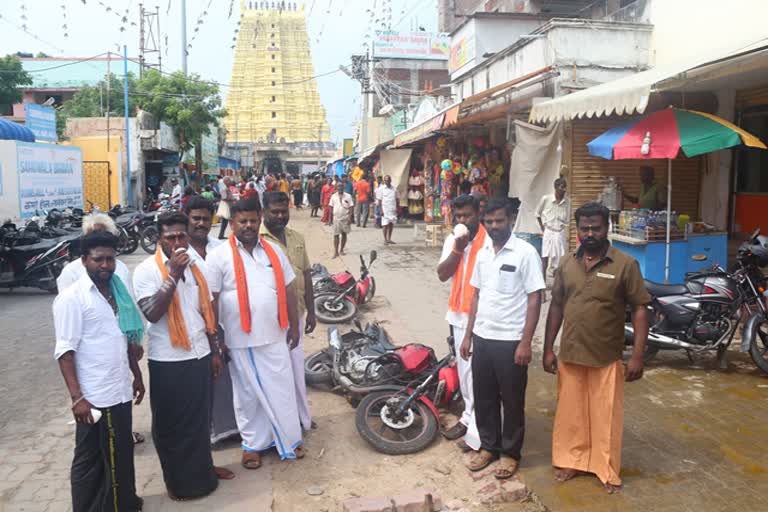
554, 245
388, 216
472, 437
297, 363
223, 211
265, 399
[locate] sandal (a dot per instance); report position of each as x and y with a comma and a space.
480, 460
251, 460
223, 473
299, 452
506, 468
137, 438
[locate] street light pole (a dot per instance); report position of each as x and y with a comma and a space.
184, 36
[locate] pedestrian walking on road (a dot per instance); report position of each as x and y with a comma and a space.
553, 213
591, 291
507, 282
225, 202
201, 244
458, 262
363, 202
340, 206
387, 200
95, 319
298, 193
314, 190
184, 353
250, 279
275, 229
327, 192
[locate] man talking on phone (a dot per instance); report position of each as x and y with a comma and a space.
507, 279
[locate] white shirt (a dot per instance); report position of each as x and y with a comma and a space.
340, 205
213, 242
75, 269
147, 281
377, 192
262, 294
85, 323
176, 193
505, 279
553, 214
456, 318
388, 199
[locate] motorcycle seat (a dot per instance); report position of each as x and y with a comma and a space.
665, 290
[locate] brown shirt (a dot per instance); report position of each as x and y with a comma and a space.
594, 306
296, 250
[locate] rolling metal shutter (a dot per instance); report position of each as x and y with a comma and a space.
748, 98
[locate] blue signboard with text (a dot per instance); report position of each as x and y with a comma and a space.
42, 121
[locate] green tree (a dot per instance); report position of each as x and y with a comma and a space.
12, 76
42, 55
91, 101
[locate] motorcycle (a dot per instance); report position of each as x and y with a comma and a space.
754, 338
337, 296
406, 420
704, 313
35, 265
128, 228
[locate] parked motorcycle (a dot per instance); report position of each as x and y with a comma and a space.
704, 313
128, 228
337, 296
407, 420
754, 338
35, 265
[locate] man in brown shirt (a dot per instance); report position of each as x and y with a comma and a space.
592, 289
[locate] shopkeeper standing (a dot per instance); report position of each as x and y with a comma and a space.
652, 195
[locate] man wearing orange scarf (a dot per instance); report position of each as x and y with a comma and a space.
183, 353
457, 263
250, 280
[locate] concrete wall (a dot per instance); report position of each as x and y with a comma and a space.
9, 181
715, 180
686, 28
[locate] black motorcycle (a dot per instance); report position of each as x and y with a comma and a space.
704, 313
36, 265
754, 338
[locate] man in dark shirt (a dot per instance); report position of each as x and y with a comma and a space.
591, 291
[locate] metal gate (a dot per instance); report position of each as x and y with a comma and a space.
96, 186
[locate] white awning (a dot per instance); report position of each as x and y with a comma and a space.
630, 94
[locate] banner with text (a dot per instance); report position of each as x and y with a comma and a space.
391, 44
50, 177
42, 121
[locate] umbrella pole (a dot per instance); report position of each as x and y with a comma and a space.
669, 218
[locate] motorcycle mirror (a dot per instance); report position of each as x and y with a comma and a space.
373, 256
755, 234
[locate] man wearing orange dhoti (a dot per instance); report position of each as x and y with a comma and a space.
591, 291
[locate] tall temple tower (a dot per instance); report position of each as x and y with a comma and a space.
273, 97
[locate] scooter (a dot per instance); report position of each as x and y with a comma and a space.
36, 265
406, 419
337, 296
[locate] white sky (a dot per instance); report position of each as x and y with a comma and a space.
337, 29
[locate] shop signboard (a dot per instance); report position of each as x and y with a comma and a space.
420, 131
392, 44
50, 176
462, 52
41, 119
349, 147
210, 151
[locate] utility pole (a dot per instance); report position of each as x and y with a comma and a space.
127, 123
109, 87
184, 36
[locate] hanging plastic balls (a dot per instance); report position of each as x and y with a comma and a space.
446, 164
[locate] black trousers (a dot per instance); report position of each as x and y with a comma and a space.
498, 381
102, 476
223, 228
180, 398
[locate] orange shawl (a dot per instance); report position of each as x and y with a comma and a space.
176, 325
460, 302
242, 285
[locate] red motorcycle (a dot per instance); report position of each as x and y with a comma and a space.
338, 295
406, 420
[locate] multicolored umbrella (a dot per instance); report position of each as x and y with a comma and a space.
662, 135
667, 132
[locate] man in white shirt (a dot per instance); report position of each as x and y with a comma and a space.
201, 244
505, 308
92, 352
341, 206
176, 191
250, 279
457, 262
386, 197
183, 353
553, 214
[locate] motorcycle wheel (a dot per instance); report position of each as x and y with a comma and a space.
371, 290
148, 239
318, 369
128, 245
387, 435
329, 312
758, 350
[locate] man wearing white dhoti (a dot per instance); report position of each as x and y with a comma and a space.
553, 214
250, 278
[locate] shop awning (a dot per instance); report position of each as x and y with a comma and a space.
12, 131
630, 94
442, 119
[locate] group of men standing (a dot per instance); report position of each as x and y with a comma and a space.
493, 311
225, 322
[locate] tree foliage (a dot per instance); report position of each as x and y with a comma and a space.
188, 104
12, 76
91, 101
